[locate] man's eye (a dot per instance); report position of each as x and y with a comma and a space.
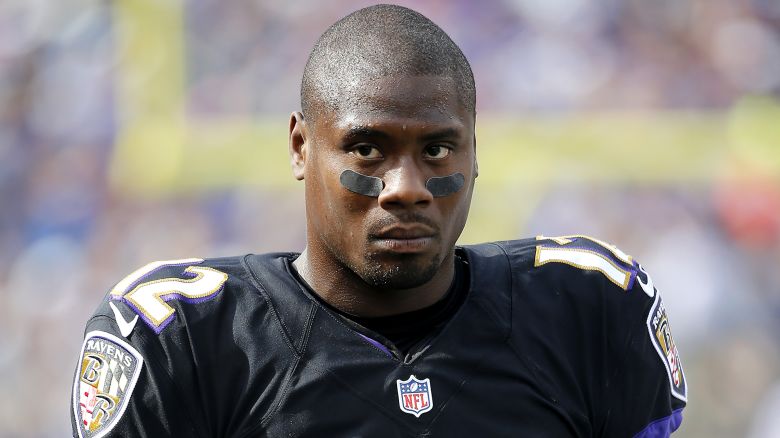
437, 151
367, 152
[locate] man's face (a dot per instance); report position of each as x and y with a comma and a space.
403, 130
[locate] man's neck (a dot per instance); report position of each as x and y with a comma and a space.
343, 289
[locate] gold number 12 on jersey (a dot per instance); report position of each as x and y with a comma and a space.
150, 298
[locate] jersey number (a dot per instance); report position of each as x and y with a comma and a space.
150, 299
617, 266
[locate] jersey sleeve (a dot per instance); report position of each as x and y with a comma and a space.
619, 346
648, 392
120, 387
135, 375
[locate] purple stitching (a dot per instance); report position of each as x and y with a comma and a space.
377, 345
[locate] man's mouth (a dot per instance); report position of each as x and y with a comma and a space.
404, 238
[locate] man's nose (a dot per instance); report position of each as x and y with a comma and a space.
404, 186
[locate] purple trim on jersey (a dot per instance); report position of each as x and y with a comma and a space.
167, 297
634, 272
377, 344
663, 427
171, 297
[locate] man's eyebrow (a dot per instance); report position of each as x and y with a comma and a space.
360, 131
441, 134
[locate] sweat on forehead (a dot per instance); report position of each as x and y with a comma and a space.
376, 42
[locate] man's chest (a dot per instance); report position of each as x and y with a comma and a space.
487, 394
465, 381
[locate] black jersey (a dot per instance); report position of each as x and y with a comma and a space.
556, 337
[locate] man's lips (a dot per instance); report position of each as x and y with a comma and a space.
404, 239
405, 232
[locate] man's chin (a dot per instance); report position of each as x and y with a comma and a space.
399, 275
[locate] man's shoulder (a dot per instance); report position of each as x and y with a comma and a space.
577, 259
556, 275
173, 309
599, 310
170, 324
185, 292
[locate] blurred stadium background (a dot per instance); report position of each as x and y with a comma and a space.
138, 130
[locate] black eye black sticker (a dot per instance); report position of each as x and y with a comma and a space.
441, 186
361, 184
372, 186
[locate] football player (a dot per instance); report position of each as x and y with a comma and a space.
382, 326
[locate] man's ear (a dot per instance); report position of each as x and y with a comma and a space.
298, 144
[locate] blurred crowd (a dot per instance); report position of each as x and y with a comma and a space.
66, 234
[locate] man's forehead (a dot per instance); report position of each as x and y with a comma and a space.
403, 90
434, 122
397, 97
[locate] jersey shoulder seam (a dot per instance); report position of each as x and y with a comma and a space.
264, 293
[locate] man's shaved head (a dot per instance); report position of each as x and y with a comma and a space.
375, 42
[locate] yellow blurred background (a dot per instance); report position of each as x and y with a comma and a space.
141, 130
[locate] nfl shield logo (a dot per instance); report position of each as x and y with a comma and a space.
415, 396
